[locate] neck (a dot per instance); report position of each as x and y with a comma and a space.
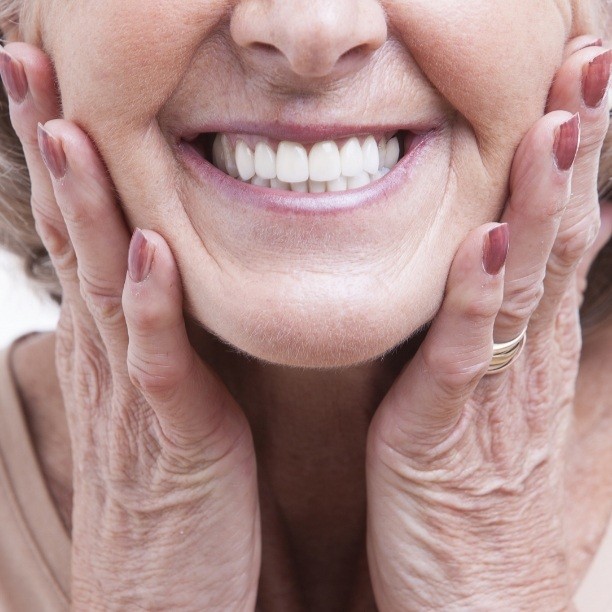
310, 429
301, 411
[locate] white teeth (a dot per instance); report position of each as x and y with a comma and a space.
260, 182
351, 158
276, 184
265, 161
354, 182
291, 162
290, 167
392, 154
229, 157
316, 186
370, 155
245, 161
339, 184
301, 186
324, 162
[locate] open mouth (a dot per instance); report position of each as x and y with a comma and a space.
317, 167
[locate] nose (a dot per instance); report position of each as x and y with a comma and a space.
309, 38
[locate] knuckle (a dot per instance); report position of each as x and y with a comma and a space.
521, 301
143, 315
52, 231
76, 215
455, 372
573, 243
25, 127
103, 304
480, 310
65, 260
92, 376
479, 307
155, 375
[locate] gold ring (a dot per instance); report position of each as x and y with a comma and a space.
506, 353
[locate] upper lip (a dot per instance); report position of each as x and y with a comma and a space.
303, 132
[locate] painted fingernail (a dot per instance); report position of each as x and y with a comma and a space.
13, 77
495, 249
52, 153
567, 139
140, 257
597, 42
595, 79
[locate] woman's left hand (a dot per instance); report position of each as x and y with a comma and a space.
465, 472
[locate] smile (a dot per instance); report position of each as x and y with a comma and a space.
300, 169
324, 166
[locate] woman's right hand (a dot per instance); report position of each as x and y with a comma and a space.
165, 503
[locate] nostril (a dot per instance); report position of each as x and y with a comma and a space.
355, 52
328, 39
265, 47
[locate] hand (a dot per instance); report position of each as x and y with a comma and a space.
465, 473
165, 509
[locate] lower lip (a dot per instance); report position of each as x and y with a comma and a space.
281, 201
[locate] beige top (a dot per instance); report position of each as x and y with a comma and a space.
35, 548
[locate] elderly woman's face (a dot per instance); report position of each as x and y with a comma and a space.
308, 279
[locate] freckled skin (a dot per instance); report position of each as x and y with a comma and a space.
321, 291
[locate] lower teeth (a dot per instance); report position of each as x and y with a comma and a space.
341, 184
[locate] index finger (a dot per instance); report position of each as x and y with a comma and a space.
95, 223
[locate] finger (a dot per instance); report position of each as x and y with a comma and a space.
581, 42
426, 401
539, 191
27, 75
191, 403
580, 86
95, 225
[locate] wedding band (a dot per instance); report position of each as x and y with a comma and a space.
505, 353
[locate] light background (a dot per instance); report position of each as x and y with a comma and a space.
22, 308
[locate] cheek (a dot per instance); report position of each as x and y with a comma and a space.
493, 60
131, 56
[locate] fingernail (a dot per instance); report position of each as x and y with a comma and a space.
140, 257
13, 77
597, 42
495, 249
595, 79
567, 138
52, 153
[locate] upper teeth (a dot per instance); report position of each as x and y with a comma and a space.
327, 167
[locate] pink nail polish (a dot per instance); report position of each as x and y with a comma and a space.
52, 153
595, 79
140, 257
13, 77
567, 139
495, 249
597, 42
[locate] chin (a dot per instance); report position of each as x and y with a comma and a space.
320, 334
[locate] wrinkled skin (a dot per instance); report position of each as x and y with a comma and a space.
134, 89
464, 474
